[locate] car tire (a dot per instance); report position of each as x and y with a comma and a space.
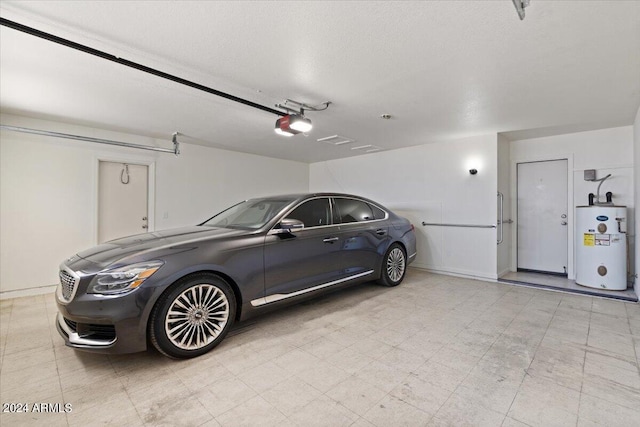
394, 266
193, 316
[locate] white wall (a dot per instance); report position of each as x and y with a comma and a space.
48, 192
606, 150
203, 181
430, 183
504, 187
636, 173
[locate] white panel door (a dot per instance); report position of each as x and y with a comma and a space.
542, 216
122, 200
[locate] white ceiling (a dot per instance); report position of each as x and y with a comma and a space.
442, 69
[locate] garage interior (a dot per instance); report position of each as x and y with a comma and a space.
438, 110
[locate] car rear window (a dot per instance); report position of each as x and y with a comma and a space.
351, 210
377, 212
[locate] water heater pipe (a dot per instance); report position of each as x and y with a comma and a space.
601, 180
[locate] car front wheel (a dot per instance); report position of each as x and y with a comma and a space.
394, 266
193, 316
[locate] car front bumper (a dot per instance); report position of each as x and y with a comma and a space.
98, 338
105, 324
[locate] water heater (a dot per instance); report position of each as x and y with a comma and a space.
601, 247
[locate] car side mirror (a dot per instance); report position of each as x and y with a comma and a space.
288, 225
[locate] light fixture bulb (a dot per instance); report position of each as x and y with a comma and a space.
300, 123
282, 132
282, 127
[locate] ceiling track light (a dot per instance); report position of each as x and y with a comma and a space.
295, 122
520, 5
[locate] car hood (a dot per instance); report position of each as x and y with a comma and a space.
118, 249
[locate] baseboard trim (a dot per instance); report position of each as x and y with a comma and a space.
460, 273
29, 292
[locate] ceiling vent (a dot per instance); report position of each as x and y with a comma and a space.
367, 148
336, 140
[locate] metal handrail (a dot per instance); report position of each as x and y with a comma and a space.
459, 225
501, 218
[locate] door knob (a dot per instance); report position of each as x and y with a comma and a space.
144, 218
563, 216
564, 223
145, 226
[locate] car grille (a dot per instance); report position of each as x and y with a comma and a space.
86, 330
68, 284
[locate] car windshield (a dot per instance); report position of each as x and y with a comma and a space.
250, 214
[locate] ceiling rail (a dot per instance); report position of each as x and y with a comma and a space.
113, 58
175, 150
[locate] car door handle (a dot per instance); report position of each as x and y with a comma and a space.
330, 239
381, 232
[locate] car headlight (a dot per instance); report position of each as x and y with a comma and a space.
123, 279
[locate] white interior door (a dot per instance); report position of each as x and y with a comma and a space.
122, 200
543, 216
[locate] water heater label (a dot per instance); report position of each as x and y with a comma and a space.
602, 218
589, 239
603, 239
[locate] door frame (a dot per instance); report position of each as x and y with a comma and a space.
570, 206
149, 162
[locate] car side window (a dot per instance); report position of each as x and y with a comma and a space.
377, 212
353, 210
314, 213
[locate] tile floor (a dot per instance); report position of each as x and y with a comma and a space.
435, 351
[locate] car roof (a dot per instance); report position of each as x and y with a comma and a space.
299, 197
296, 196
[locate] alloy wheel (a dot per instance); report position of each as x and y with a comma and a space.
197, 316
395, 264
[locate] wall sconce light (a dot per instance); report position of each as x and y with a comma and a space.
473, 171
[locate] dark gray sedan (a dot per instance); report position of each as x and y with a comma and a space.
183, 289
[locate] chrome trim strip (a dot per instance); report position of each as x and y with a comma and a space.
77, 340
340, 227
276, 231
278, 297
413, 255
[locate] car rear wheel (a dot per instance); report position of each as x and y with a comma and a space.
193, 316
394, 266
